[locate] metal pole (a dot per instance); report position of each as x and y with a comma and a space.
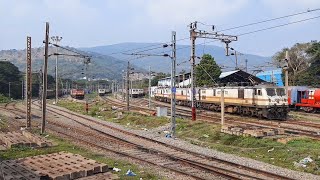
128, 69
222, 106
286, 72
123, 86
173, 85
193, 91
56, 39
149, 87
22, 87
10, 91
57, 74
28, 91
86, 93
44, 80
235, 53
246, 65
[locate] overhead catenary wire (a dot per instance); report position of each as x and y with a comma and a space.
277, 26
268, 20
236, 27
259, 30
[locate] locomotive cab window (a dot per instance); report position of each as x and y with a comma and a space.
281, 92
271, 91
258, 92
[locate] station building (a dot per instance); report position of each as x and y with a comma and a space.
272, 76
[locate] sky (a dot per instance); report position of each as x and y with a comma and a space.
89, 23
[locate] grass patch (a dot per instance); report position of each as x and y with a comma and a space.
103, 111
4, 99
3, 124
284, 155
303, 117
65, 145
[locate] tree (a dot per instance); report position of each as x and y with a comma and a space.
207, 71
312, 75
9, 73
299, 61
154, 81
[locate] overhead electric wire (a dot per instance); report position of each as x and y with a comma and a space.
268, 20
281, 25
149, 46
250, 24
259, 30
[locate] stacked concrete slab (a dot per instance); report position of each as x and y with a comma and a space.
57, 166
24, 138
251, 131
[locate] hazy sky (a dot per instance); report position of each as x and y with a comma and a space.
87, 23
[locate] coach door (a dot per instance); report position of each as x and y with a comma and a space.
241, 93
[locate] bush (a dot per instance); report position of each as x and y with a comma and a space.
4, 99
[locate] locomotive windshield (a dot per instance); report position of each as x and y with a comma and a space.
281, 92
271, 91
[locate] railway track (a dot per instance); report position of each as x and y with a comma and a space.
213, 117
156, 152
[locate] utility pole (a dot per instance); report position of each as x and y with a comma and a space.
28, 92
128, 71
86, 62
10, 91
286, 72
123, 86
22, 91
193, 52
246, 65
149, 87
203, 34
56, 39
235, 53
222, 106
173, 85
44, 80
131, 93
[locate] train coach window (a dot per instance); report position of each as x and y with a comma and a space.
259, 92
214, 92
281, 92
271, 91
181, 92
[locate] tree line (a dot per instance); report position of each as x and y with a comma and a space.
303, 64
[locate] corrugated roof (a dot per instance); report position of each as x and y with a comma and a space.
224, 74
270, 72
